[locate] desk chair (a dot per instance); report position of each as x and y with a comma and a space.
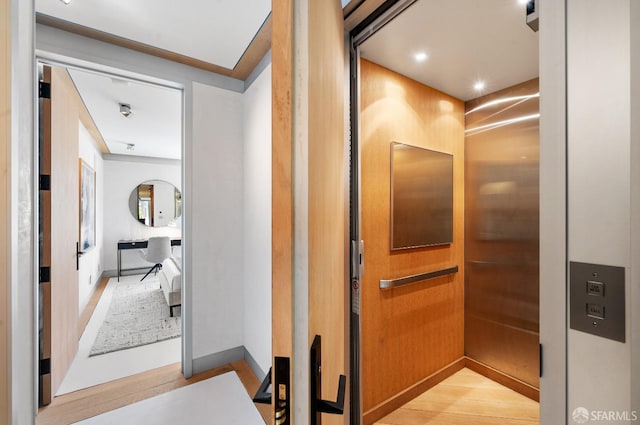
158, 250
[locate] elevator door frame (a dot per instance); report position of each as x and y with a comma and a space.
553, 198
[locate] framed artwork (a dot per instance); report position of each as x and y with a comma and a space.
87, 206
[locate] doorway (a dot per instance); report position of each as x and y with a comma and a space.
95, 154
429, 308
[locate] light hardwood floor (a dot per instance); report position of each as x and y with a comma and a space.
466, 398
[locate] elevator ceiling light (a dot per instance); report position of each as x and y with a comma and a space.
479, 86
420, 57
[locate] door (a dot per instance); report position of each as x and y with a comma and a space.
59, 230
310, 212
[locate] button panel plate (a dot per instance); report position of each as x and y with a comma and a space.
597, 299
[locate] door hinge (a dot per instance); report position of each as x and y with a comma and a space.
45, 274
44, 90
45, 182
44, 367
540, 360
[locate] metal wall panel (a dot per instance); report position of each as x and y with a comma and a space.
502, 231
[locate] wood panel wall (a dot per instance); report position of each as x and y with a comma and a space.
408, 333
328, 229
5, 203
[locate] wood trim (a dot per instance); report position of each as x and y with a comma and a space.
89, 123
86, 314
251, 384
259, 47
282, 178
282, 182
503, 379
321, 120
397, 401
5, 210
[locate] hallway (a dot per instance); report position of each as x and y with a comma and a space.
466, 398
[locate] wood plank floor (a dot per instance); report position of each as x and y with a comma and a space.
69, 408
466, 398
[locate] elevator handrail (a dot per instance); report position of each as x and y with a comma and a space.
393, 283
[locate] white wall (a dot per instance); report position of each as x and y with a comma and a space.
635, 206
601, 222
120, 178
257, 219
553, 300
91, 262
216, 204
20, 352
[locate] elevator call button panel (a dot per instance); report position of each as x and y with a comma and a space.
597, 300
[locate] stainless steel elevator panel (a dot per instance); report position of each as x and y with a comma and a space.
501, 231
596, 299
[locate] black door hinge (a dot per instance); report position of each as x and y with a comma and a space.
540, 360
45, 274
44, 90
45, 182
44, 367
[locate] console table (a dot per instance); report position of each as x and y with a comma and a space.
136, 244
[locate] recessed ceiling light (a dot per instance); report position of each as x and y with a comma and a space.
420, 57
519, 1
479, 86
66, 1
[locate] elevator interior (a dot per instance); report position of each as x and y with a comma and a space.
416, 78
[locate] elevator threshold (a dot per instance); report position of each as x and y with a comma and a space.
466, 398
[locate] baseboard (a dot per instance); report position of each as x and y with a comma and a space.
110, 273
253, 364
397, 401
212, 361
516, 385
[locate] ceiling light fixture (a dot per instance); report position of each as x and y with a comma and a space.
420, 57
479, 86
66, 1
125, 109
131, 146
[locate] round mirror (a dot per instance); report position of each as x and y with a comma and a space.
156, 203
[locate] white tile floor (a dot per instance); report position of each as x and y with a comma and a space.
88, 371
218, 400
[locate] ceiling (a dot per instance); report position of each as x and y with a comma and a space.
154, 126
223, 36
465, 40
212, 31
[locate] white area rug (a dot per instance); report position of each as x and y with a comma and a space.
89, 371
138, 315
218, 400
